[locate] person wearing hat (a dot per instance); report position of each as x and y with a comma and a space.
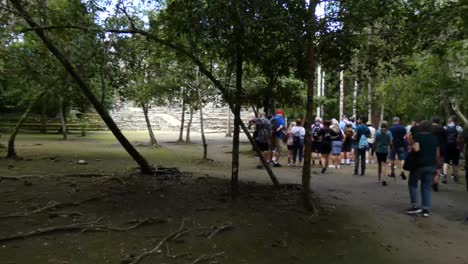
370, 140
277, 134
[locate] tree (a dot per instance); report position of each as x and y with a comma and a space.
85, 88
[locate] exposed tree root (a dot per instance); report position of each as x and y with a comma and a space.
82, 227
53, 205
13, 178
168, 253
219, 229
145, 254
205, 257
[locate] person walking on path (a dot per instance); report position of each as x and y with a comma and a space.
383, 144
371, 141
441, 135
261, 136
277, 134
290, 143
454, 142
298, 133
424, 144
399, 147
361, 134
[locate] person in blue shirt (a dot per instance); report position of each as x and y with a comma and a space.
360, 151
277, 134
400, 147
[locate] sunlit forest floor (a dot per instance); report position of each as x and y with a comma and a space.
55, 210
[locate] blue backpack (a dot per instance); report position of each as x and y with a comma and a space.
363, 144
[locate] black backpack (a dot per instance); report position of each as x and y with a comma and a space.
315, 130
452, 135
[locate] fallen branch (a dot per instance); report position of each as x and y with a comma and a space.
53, 205
207, 257
220, 229
82, 227
168, 253
145, 254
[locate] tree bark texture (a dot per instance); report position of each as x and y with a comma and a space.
202, 125
237, 119
341, 93
309, 118
86, 90
182, 119
189, 125
153, 141
62, 119
11, 153
319, 87
228, 126
355, 93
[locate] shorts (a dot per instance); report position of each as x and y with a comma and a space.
453, 155
262, 146
381, 157
400, 151
277, 145
290, 147
325, 148
316, 145
346, 146
336, 148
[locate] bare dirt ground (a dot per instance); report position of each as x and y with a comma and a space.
103, 214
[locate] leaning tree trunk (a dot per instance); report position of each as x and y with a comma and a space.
182, 119
189, 126
11, 142
153, 141
62, 119
85, 89
309, 118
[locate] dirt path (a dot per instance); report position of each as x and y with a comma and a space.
441, 238
376, 213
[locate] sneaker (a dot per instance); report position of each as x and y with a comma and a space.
403, 175
338, 166
289, 165
425, 213
355, 173
384, 183
324, 170
276, 164
455, 179
259, 167
435, 187
391, 175
444, 178
414, 210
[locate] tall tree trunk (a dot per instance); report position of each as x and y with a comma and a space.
369, 99
382, 114
102, 76
62, 119
189, 125
44, 115
237, 119
202, 125
228, 129
341, 93
11, 153
355, 93
319, 88
322, 107
85, 89
309, 118
153, 141
182, 119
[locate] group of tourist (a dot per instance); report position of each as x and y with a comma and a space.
429, 149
